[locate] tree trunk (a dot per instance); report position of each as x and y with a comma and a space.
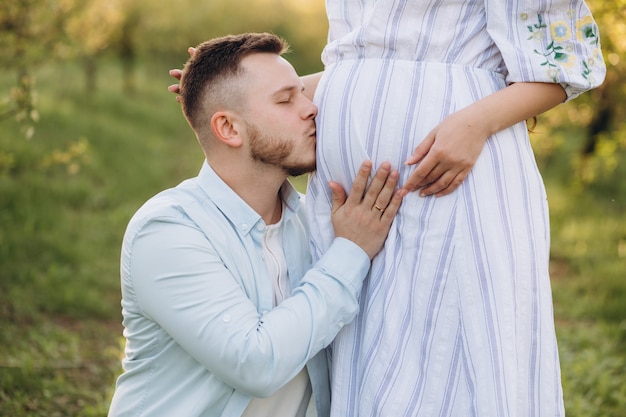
601, 120
91, 74
128, 53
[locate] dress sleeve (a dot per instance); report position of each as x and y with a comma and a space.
549, 41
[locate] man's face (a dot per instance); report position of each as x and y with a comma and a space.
279, 118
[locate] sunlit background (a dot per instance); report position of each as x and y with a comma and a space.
88, 132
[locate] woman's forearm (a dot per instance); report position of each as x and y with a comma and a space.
515, 103
310, 82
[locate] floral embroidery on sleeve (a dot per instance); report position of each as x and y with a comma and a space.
559, 52
587, 31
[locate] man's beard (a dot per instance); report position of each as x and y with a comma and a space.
274, 151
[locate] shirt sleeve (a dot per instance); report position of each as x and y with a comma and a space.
180, 283
551, 41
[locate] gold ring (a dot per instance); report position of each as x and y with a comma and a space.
377, 208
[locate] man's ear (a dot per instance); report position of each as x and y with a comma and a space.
226, 128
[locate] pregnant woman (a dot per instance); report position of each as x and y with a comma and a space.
456, 317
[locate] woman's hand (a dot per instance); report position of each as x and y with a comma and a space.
178, 73
451, 149
447, 154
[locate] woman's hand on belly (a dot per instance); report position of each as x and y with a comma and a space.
447, 154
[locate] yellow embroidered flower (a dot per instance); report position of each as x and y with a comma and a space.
586, 29
538, 35
553, 74
560, 31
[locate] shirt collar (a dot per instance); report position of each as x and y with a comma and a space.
234, 207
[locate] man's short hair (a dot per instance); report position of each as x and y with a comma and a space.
208, 76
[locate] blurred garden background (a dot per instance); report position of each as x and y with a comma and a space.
88, 132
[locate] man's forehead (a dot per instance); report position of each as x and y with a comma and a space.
271, 71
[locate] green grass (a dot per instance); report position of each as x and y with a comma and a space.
589, 283
67, 194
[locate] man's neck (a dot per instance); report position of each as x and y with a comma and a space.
260, 190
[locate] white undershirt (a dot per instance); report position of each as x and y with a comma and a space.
275, 260
293, 398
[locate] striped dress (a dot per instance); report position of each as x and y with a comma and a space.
456, 316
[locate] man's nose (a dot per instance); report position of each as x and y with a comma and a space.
310, 110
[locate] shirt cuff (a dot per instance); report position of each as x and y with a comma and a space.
346, 261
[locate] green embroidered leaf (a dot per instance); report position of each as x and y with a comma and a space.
589, 32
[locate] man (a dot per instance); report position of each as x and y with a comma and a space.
224, 315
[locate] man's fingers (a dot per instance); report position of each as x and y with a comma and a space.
385, 195
377, 185
367, 213
394, 205
338, 195
360, 183
375, 197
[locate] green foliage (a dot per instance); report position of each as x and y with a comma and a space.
588, 269
589, 254
65, 199
30, 31
62, 201
35, 31
592, 369
58, 368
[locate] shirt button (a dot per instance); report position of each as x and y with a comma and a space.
244, 227
226, 318
260, 227
341, 324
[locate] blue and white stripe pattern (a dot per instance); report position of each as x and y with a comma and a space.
456, 317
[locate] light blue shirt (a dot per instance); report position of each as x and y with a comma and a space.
202, 335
